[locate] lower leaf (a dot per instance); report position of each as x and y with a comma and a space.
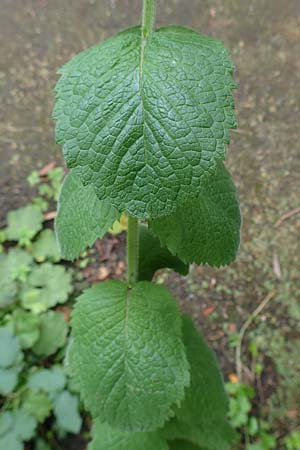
201, 417
152, 256
205, 230
127, 355
183, 445
105, 438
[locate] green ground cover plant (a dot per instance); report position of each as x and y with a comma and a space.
36, 397
144, 119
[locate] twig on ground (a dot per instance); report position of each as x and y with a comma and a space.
256, 312
286, 216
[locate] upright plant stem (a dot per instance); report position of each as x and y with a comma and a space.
132, 250
149, 8
148, 19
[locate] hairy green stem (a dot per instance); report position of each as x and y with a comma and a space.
132, 250
149, 8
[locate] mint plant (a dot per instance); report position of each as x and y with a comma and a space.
144, 119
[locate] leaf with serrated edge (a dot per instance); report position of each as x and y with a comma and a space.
106, 438
201, 417
205, 230
127, 354
144, 123
81, 217
152, 256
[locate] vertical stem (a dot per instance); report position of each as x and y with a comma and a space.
149, 9
132, 250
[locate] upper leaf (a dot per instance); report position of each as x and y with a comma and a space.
206, 229
106, 438
143, 123
81, 218
152, 256
127, 356
201, 417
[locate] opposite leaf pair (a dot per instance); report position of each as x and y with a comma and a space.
204, 230
145, 371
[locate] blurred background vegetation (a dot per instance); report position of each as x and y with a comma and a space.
249, 312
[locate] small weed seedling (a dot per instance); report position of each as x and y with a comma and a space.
144, 119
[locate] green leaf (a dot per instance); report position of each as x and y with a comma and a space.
47, 285
6, 422
26, 327
48, 380
152, 256
14, 266
45, 247
53, 334
9, 348
183, 445
106, 438
201, 417
144, 123
66, 412
81, 217
24, 223
10, 441
127, 355
24, 425
38, 405
8, 380
206, 229
41, 444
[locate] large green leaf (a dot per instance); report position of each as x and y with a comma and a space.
205, 229
152, 256
24, 223
183, 445
142, 122
53, 334
127, 354
47, 285
67, 413
106, 438
81, 218
201, 417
